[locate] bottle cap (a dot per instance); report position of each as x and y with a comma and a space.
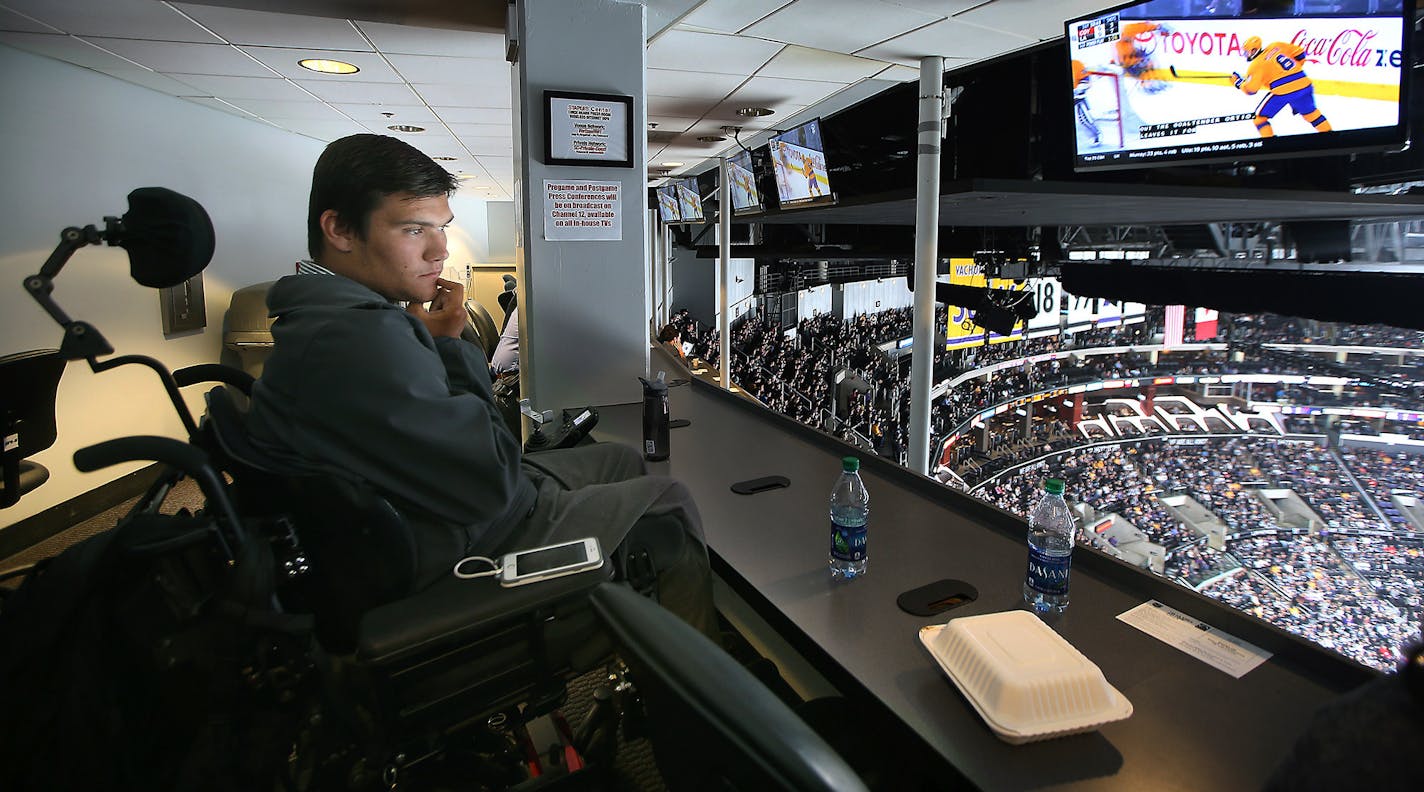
850, 464
1054, 486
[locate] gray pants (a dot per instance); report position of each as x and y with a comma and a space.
603, 490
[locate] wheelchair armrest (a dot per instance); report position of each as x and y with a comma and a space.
215, 372
454, 610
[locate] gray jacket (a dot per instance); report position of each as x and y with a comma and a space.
357, 388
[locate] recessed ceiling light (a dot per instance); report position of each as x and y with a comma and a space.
710, 138
755, 112
328, 66
405, 128
443, 159
467, 176
673, 164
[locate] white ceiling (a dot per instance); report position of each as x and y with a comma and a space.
800, 58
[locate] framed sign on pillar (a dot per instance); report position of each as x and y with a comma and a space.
588, 129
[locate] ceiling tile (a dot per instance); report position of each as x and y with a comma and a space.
322, 129
500, 168
777, 92
676, 106
662, 13
804, 63
176, 58
218, 104
284, 61
369, 114
407, 40
843, 26
730, 16
946, 8
65, 48
899, 73
1029, 17
693, 85
726, 113
155, 81
136, 19
485, 130
710, 52
240, 26
475, 115
488, 146
17, 22
448, 95
952, 39
440, 69
288, 111
342, 92
671, 123
269, 87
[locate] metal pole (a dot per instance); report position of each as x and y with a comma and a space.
926, 258
724, 266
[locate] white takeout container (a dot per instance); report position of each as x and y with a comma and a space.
1024, 679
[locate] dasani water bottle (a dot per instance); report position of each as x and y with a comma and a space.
850, 514
1050, 552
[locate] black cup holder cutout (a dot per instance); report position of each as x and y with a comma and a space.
763, 484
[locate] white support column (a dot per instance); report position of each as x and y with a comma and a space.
724, 267
926, 258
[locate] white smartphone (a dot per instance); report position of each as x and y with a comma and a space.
550, 561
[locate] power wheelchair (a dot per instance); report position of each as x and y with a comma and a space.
265, 640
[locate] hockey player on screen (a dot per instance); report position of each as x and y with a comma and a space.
1135, 57
808, 169
1280, 70
1080, 102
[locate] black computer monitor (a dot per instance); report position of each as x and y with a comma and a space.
798, 160
1168, 81
746, 198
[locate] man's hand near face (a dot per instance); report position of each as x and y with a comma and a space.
446, 315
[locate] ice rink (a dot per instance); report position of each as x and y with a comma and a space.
1182, 100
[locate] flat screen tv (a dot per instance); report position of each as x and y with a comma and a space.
798, 160
689, 203
746, 199
668, 210
1168, 81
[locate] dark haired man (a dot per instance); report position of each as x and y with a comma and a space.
360, 388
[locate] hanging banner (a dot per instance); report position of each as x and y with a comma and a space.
582, 210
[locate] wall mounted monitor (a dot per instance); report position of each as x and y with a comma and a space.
668, 210
1170, 81
746, 199
798, 160
689, 203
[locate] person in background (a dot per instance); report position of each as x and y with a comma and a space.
671, 337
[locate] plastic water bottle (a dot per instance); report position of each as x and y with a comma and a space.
1050, 552
850, 513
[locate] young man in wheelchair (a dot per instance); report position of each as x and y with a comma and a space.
363, 389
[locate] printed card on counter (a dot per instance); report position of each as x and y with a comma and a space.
1200, 640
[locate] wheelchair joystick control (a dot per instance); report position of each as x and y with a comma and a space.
537, 440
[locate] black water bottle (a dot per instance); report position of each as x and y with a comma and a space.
655, 418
